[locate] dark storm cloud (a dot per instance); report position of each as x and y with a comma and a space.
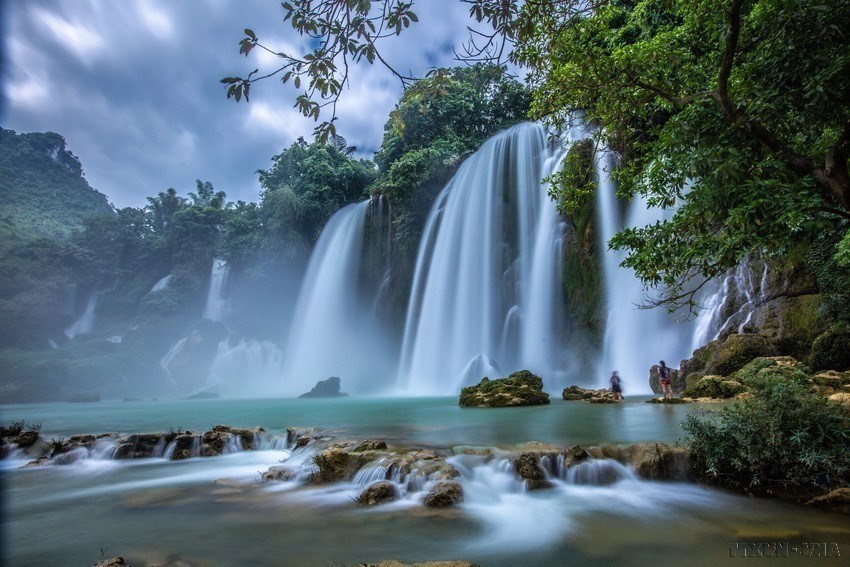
134, 88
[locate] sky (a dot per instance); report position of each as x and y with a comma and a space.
133, 86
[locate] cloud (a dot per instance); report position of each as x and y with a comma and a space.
134, 87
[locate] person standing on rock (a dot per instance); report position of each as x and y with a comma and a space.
664, 380
616, 387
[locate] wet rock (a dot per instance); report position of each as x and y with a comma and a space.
113, 562
141, 446
443, 495
40, 462
519, 389
653, 461
247, 436
335, 464
26, 439
527, 466
325, 389
377, 493
577, 393
606, 398
295, 434
371, 445
280, 474
186, 446
669, 401
574, 455
837, 500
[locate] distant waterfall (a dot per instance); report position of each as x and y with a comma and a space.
161, 284
216, 304
486, 289
635, 339
249, 369
334, 331
85, 323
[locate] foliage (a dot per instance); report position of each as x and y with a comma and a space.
700, 97
785, 436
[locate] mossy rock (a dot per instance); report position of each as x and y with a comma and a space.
763, 369
334, 465
737, 351
444, 495
831, 350
377, 493
714, 387
521, 388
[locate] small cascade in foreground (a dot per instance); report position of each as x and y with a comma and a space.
85, 323
635, 339
334, 331
487, 279
216, 304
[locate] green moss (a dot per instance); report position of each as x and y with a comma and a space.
713, 387
763, 370
521, 388
831, 349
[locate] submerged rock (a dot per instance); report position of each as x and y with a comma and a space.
325, 389
837, 500
279, 473
657, 461
335, 464
519, 389
444, 495
377, 493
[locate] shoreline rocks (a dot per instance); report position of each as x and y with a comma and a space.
579, 394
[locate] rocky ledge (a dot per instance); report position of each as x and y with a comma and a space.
579, 394
521, 388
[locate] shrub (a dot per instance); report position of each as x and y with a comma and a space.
784, 437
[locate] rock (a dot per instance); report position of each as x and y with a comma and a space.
186, 446
762, 369
828, 379
653, 461
294, 435
443, 495
831, 349
325, 389
842, 398
713, 387
677, 380
335, 464
279, 473
377, 493
140, 446
371, 445
26, 439
725, 356
577, 393
248, 437
113, 562
527, 466
837, 500
519, 389
214, 442
669, 401
574, 455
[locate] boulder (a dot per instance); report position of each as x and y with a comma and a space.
112, 562
725, 356
335, 464
653, 461
527, 466
371, 445
577, 393
140, 446
325, 389
713, 387
214, 442
25, 439
831, 349
295, 434
186, 445
443, 495
677, 380
279, 473
574, 455
377, 493
837, 500
519, 389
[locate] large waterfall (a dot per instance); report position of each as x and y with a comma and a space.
334, 331
635, 338
485, 293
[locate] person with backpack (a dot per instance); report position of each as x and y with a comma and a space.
616, 386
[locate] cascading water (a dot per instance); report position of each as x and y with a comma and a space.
486, 285
258, 365
216, 304
635, 339
85, 323
335, 331
161, 284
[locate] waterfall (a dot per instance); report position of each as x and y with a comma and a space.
489, 261
161, 284
334, 331
85, 323
216, 304
635, 339
251, 368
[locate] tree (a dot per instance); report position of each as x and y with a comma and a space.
734, 112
